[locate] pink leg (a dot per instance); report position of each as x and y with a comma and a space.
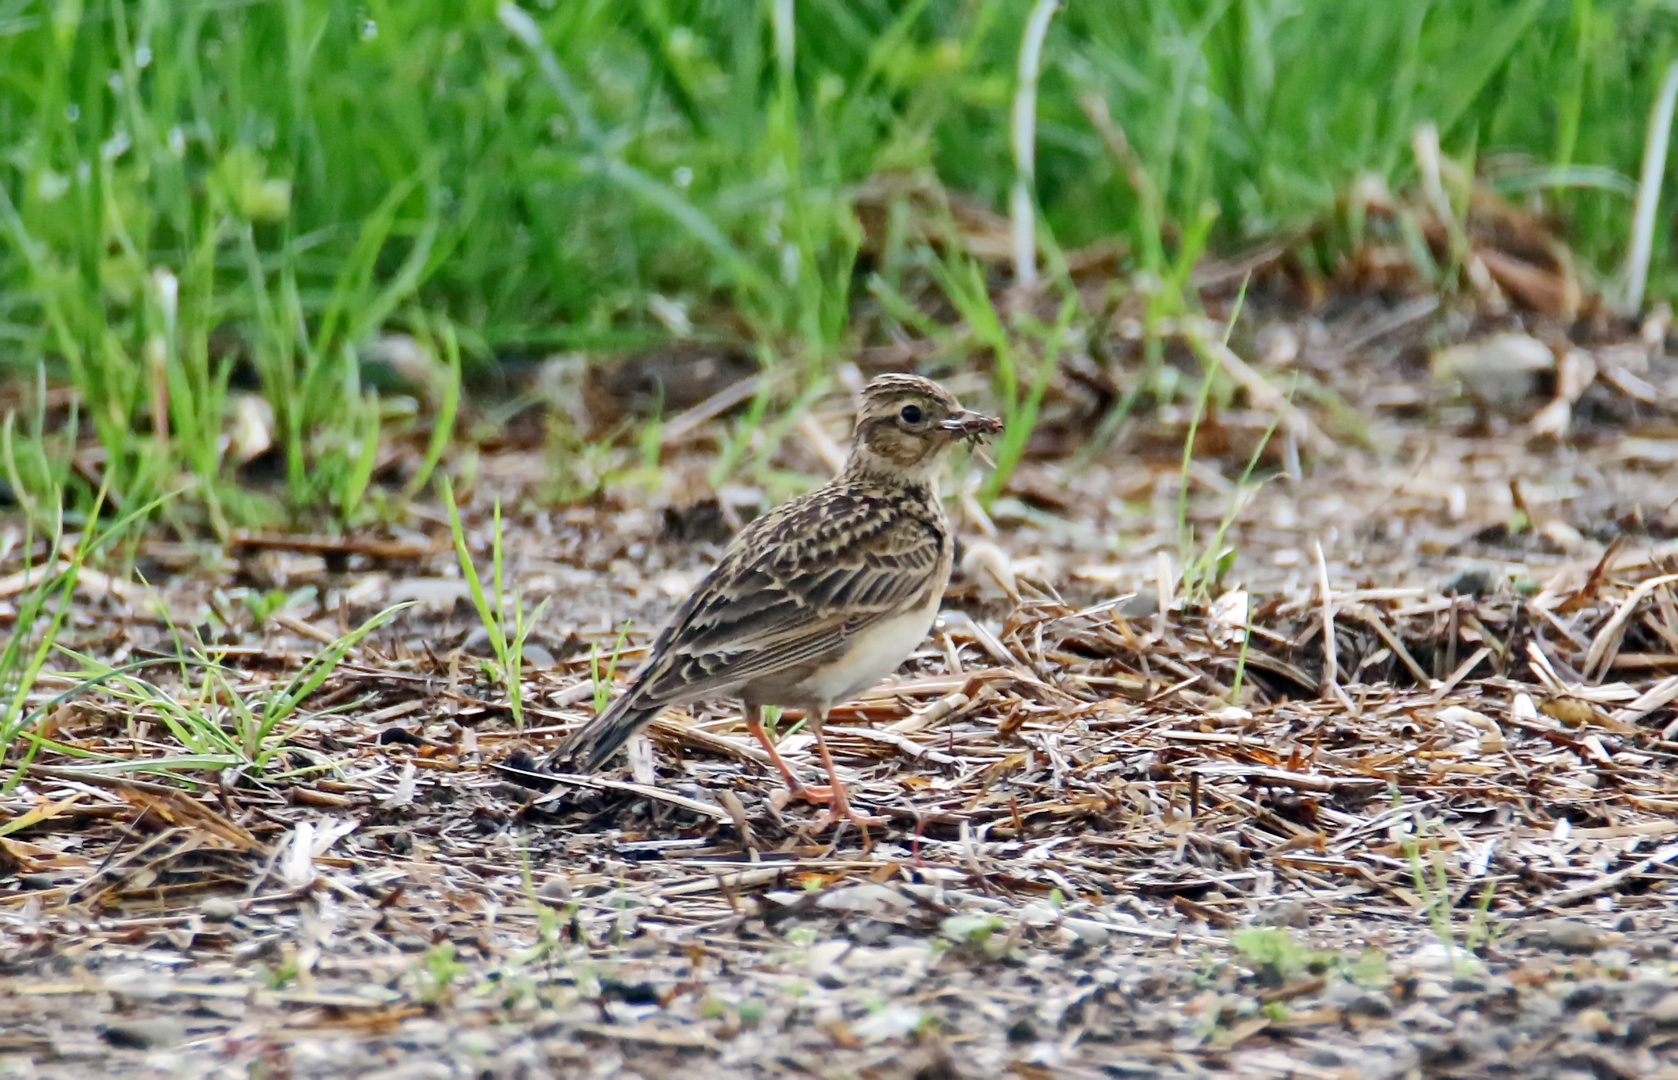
841, 809
754, 724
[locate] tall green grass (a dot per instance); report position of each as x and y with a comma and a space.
195, 194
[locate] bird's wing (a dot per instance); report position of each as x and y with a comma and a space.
793, 588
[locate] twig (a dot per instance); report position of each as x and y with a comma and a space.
1373, 618
1331, 662
891, 738
1608, 882
1285, 778
679, 426
645, 791
1607, 639
330, 545
1259, 389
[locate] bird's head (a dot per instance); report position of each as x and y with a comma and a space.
908, 424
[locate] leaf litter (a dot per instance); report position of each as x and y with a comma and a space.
1401, 803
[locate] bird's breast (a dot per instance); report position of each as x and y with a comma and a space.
872, 654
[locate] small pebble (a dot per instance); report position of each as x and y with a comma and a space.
1144, 603
1287, 913
1585, 995
144, 1034
1432, 990
1594, 1021
1500, 985
1640, 995
1370, 1004
438, 594
1567, 935
866, 897
1353, 1000
218, 909
1664, 1013
1090, 932
538, 657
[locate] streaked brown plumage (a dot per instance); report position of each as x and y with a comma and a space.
818, 599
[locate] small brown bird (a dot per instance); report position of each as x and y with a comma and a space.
820, 598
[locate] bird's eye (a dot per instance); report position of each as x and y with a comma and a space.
911, 414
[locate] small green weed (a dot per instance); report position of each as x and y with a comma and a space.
217, 722
1276, 954
602, 677
1433, 887
439, 971
445, 391
1278, 958
1206, 565
975, 930
44, 603
279, 976
265, 604
492, 607
739, 439
1025, 357
1369, 969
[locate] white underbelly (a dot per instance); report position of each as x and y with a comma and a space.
873, 655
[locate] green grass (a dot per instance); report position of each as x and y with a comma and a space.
1438, 896
602, 674
216, 723
507, 632
196, 196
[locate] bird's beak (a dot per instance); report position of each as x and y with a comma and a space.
965, 424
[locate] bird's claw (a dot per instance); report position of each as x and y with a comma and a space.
856, 817
816, 793
822, 793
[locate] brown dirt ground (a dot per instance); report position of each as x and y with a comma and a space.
1446, 847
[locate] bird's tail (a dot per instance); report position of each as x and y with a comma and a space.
589, 746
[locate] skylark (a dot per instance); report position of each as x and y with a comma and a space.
820, 598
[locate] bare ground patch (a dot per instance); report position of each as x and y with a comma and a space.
1420, 820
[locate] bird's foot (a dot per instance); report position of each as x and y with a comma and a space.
816, 793
836, 814
824, 793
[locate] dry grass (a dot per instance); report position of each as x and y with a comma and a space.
1102, 859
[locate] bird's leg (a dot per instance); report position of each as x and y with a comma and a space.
841, 808
833, 792
754, 724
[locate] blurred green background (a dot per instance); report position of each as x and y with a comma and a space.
506, 181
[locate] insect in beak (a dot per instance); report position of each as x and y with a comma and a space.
971, 426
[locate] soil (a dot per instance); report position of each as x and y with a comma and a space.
1420, 821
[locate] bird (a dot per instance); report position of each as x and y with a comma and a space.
816, 600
